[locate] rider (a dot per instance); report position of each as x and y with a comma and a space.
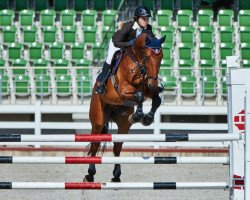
123, 38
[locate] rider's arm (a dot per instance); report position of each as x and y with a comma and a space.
120, 37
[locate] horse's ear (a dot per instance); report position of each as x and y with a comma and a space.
162, 40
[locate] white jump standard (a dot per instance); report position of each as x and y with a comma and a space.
236, 84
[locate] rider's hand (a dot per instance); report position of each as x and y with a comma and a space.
131, 42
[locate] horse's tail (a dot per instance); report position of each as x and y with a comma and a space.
102, 147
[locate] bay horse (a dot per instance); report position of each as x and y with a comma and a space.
135, 80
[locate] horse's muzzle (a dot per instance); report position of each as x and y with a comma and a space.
153, 85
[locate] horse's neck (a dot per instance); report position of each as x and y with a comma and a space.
139, 46
135, 51
140, 41
138, 54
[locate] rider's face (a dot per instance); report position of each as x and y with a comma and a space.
143, 21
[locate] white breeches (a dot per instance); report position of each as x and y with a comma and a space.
111, 51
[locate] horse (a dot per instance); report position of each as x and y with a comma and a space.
135, 80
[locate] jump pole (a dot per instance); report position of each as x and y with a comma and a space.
120, 138
114, 186
113, 160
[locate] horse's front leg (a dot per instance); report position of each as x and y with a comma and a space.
127, 91
138, 115
149, 118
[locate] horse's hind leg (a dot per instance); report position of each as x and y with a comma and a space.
123, 128
98, 120
117, 170
95, 146
92, 170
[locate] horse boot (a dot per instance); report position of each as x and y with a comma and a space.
105, 72
161, 89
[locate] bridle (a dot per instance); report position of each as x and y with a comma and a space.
141, 64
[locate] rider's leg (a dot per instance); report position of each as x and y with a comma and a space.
106, 68
105, 71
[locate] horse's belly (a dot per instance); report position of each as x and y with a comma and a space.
112, 102
111, 98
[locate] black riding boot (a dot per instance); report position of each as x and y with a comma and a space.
105, 71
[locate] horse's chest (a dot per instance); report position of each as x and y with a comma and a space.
139, 82
136, 78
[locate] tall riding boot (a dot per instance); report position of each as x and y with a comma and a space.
105, 72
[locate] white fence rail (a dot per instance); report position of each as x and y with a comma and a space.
82, 110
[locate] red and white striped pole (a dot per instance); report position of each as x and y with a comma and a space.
114, 160
114, 186
120, 138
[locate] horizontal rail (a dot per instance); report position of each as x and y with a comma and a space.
126, 144
80, 110
120, 138
112, 186
114, 160
87, 125
94, 67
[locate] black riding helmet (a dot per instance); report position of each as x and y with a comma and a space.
142, 11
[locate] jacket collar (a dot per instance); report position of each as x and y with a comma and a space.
136, 26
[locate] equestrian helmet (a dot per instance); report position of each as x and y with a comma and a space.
142, 11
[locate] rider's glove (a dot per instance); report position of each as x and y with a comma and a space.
131, 42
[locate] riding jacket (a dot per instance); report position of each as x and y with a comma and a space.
127, 32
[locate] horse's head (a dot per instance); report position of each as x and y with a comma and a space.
152, 56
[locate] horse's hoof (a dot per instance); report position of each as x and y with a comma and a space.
146, 121
116, 180
88, 178
145, 124
135, 118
